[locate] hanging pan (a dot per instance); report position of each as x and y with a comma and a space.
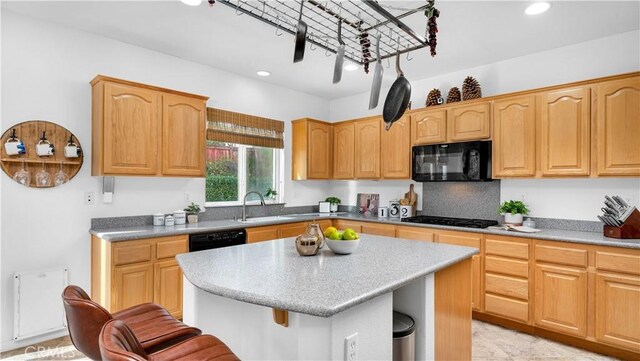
398, 97
301, 37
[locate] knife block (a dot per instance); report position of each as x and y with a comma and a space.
630, 228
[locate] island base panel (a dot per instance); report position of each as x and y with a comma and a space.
249, 329
416, 299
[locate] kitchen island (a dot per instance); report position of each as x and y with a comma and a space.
267, 302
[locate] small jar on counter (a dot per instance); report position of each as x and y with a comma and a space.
529, 223
158, 219
180, 217
169, 221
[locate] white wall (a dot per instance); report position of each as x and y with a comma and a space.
563, 198
46, 71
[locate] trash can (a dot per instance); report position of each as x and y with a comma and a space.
404, 337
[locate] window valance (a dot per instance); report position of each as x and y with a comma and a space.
232, 127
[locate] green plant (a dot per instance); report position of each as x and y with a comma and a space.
192, 209
333, 200
271, 193
513, 207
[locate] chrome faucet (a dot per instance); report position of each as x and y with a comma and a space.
244, 204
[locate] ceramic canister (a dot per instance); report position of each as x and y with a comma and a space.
180, 217
158, 219
169, 221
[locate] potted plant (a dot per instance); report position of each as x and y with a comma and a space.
192, 212
334, 201
271, 194
513, 211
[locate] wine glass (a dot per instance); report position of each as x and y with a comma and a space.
43, 178
60, 177
22, 176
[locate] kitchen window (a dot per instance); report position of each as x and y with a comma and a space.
235, 169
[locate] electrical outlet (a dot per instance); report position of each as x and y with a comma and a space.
187, 197
351, 348
89, 198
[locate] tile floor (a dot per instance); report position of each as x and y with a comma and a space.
490, 343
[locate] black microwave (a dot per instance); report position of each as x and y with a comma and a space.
454, 162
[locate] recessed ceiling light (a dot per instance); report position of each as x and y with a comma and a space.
537, 8
263, 73
350, 67
192, 2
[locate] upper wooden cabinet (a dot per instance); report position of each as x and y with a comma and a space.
367, 148
344, 150
469, 122
396, 150
617, 134
565, 132
429, 127
144, 130
514, 137
312, 140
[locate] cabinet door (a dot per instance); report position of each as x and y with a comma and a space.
429, 127
183, 134
469, 122
132, 285
561, 299
415, 233
343, 150
319, 156
367, 160
514, 137
618, 310
130, 130
341, 224
259, 234
565, 133
292, 229
379, 229
468, 240
618, 128
396, 158
167, 289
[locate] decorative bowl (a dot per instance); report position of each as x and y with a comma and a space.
342, 247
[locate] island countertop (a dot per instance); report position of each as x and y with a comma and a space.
272, 274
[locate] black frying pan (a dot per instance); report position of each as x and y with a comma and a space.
301, 37
398, 97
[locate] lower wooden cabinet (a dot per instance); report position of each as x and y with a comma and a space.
415, 233
468, 239
128, 273
269, 233
618, 310
379, 229
260, 234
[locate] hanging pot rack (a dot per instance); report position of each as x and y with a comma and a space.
357, 16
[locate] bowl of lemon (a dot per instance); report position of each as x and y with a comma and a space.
342, 242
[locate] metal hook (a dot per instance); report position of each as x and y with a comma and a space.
327, 53
238, 7
388, 63
312, 46
408, 59
278, 26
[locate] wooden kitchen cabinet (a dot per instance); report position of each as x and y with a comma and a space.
344, 150
367, 148
514, 137
414, 233
617, 133
429, 127
260, 234
396, 150
183, 146
139, 129
291, 229
379, 229
469, 122
469, 240
617, 319
312, 149
342, 224
128, 273
565, 123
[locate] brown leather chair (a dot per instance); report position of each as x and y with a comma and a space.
152, 325
118, 343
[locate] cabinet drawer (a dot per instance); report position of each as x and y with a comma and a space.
507, 286
131, 253
626, 263
171, 247
561, 255
379, 229
507, 247
293, 229
460, 239
506, 266
415, 233
507, 307
341, 224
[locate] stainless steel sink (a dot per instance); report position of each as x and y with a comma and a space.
266, 219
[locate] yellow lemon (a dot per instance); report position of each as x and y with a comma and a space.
329, 230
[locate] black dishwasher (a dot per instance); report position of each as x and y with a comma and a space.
219, 239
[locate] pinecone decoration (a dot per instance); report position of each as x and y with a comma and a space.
434, 98
471, 89
454, 95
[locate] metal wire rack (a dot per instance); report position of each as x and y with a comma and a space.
359, 17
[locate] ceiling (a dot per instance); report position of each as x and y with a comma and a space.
472, 33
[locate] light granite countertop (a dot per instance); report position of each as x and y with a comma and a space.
131, 233
322, 285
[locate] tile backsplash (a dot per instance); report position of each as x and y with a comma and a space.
478, 200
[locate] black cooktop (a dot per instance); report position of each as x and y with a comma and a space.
447, 221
